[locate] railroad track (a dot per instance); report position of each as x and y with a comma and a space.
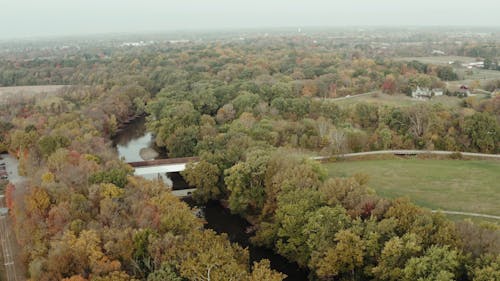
5, 240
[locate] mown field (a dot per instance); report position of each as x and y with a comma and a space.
455, 185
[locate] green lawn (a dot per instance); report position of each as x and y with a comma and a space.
455, 185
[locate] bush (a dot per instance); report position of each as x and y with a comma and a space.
456, 156
115, 176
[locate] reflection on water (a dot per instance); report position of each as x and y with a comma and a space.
131, 150
132, 139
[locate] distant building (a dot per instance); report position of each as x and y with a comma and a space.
438, 52
470, 65
426, 93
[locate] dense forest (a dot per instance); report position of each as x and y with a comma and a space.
246, 109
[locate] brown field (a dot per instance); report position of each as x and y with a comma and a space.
7, 93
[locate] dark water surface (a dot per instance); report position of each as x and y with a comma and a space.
221, 220
134, 136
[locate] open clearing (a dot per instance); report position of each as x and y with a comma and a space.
454, 185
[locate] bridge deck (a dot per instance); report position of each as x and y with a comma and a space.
168, 161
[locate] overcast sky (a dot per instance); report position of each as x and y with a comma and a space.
28, 18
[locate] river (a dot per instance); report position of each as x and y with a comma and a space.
134, 137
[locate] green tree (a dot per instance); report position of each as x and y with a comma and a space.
205, 177
182, 142
447, 73
437, 264
245, 102
344, 258
165, 273
483, 131
294, 209
142, 257
116, 176
487, 268
49, 144
322, 226
396, 252
208, 256
261, 272
245, 182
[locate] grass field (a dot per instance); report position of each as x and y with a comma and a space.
454, 185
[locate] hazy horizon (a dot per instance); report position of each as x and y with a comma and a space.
32, 18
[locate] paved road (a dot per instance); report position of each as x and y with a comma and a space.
409, 152
348, 97
467, 214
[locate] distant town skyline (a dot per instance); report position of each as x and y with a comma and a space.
35, 18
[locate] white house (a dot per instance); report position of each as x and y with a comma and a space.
426, 93
438, 52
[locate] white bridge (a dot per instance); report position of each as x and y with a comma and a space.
159, 169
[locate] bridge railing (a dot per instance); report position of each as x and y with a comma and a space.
168, 161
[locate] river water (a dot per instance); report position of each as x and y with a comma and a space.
134, 137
